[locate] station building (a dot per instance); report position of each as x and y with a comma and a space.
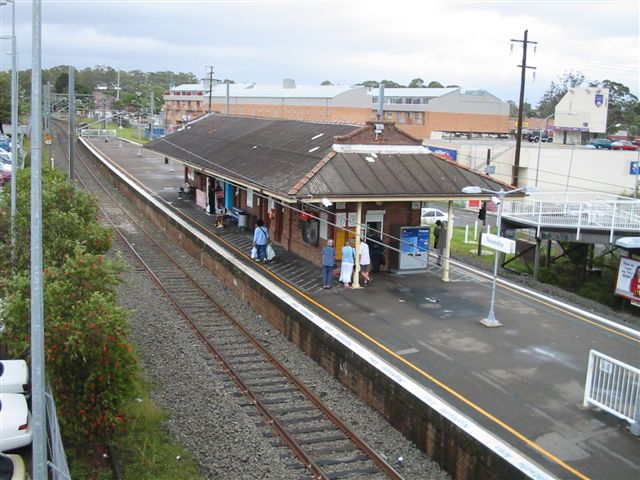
311, 182
421, 112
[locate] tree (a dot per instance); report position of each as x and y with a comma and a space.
392, 84
527, 110
453, 86
435, 84
557, 90
369, 83
416, 83
326, 82
5, 98
88, 358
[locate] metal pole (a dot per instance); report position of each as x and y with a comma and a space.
516, 163
14, 131
356, 267
635, 191
491, 321
72, 120
227, 110
38, 409
447, 245
540, 145
566, 189
381, 101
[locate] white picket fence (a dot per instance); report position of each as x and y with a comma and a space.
613, 386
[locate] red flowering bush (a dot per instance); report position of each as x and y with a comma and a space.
89, 360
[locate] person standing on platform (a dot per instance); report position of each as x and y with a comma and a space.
365, 263
328, 263
348, 261
260, 240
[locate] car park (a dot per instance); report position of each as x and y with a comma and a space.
12, 467
601, 143
14, 376
429, 216
623, 145
15, 421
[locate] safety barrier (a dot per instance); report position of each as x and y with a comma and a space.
613, 386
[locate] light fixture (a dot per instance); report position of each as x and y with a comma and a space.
326, 202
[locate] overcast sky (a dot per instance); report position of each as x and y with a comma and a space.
467, 43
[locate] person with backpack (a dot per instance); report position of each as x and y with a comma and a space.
260, 240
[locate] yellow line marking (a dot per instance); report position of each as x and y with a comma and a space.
575, 315
445, 387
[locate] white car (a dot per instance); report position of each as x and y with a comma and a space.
12, 467
429, 216
14, 376
5, 161
15, 421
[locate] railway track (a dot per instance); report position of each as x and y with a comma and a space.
322, 446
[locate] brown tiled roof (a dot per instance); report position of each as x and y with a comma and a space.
295, 158
273, 154
394, 175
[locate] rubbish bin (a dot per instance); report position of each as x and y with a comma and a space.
243, 220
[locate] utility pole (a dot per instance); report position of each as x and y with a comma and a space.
38, 408
72, 121
516, 165
210, 85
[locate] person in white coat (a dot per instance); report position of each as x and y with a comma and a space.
348, 261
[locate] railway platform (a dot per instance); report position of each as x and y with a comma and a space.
523, 383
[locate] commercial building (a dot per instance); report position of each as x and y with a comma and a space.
421, 112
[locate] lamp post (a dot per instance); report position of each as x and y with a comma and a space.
490, 320
540, 145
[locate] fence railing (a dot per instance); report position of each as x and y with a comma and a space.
58, 459
613, 386
98, 132
572, 210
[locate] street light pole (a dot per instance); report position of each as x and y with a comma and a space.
540, 145
490, 320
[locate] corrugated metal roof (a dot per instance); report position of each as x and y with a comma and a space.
274, 154
188, 87
411, 92
248, 90
402, 175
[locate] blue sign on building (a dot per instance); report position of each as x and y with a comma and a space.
449, 153
633, 168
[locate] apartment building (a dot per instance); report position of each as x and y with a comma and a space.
417, 111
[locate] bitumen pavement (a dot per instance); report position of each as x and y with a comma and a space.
524, 381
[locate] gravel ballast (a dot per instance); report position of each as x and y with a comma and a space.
203, 406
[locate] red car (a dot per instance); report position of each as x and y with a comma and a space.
623, 145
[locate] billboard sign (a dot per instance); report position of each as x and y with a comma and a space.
414, 248
448, 153
628, 282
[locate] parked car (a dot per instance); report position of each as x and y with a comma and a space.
601, 143
15, 421
430, 215
623, 145
14, 376
12, 467
536, 135
5, 162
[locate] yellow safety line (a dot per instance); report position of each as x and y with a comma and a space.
575, 315
412, 366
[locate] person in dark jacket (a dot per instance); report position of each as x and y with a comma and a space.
328, 263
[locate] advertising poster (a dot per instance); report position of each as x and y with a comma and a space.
628, 283
414, 248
